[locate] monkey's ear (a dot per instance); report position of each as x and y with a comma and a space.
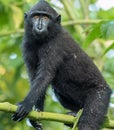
25, 15
58, 19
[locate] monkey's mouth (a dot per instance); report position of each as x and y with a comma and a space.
39, 34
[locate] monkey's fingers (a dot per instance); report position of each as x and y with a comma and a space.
20, 114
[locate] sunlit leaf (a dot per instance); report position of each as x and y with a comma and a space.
103, 30
106, 14
110, 47
95, 33
17, 16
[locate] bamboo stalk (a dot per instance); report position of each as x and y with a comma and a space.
72, 16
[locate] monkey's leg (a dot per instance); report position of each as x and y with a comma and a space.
35, 124
69, 104
95, 108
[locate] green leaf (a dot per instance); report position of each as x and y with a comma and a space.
109, 48
107, 30
106, 14
95, 33
106, 122
103, 30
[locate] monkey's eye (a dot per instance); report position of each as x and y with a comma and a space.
36, 17
45, 18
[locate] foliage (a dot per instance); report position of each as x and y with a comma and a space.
96, 38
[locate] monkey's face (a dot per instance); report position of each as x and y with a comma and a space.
40, 26
40, 23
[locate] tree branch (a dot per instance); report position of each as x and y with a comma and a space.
3, 34
10, 108
73, 22
68, 23
63, 118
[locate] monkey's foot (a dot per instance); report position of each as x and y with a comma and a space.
36, 125
72, 114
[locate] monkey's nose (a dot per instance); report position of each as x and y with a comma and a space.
39, 27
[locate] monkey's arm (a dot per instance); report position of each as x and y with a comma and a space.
44, 76
38, 89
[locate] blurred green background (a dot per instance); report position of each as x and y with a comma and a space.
90, 24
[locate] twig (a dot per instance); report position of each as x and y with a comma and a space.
75, 127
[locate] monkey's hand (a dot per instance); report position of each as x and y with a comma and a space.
22, 111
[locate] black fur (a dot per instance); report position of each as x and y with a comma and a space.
58, 60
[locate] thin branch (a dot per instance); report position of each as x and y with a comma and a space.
68, 23
11, 32
73, 22
77, 119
